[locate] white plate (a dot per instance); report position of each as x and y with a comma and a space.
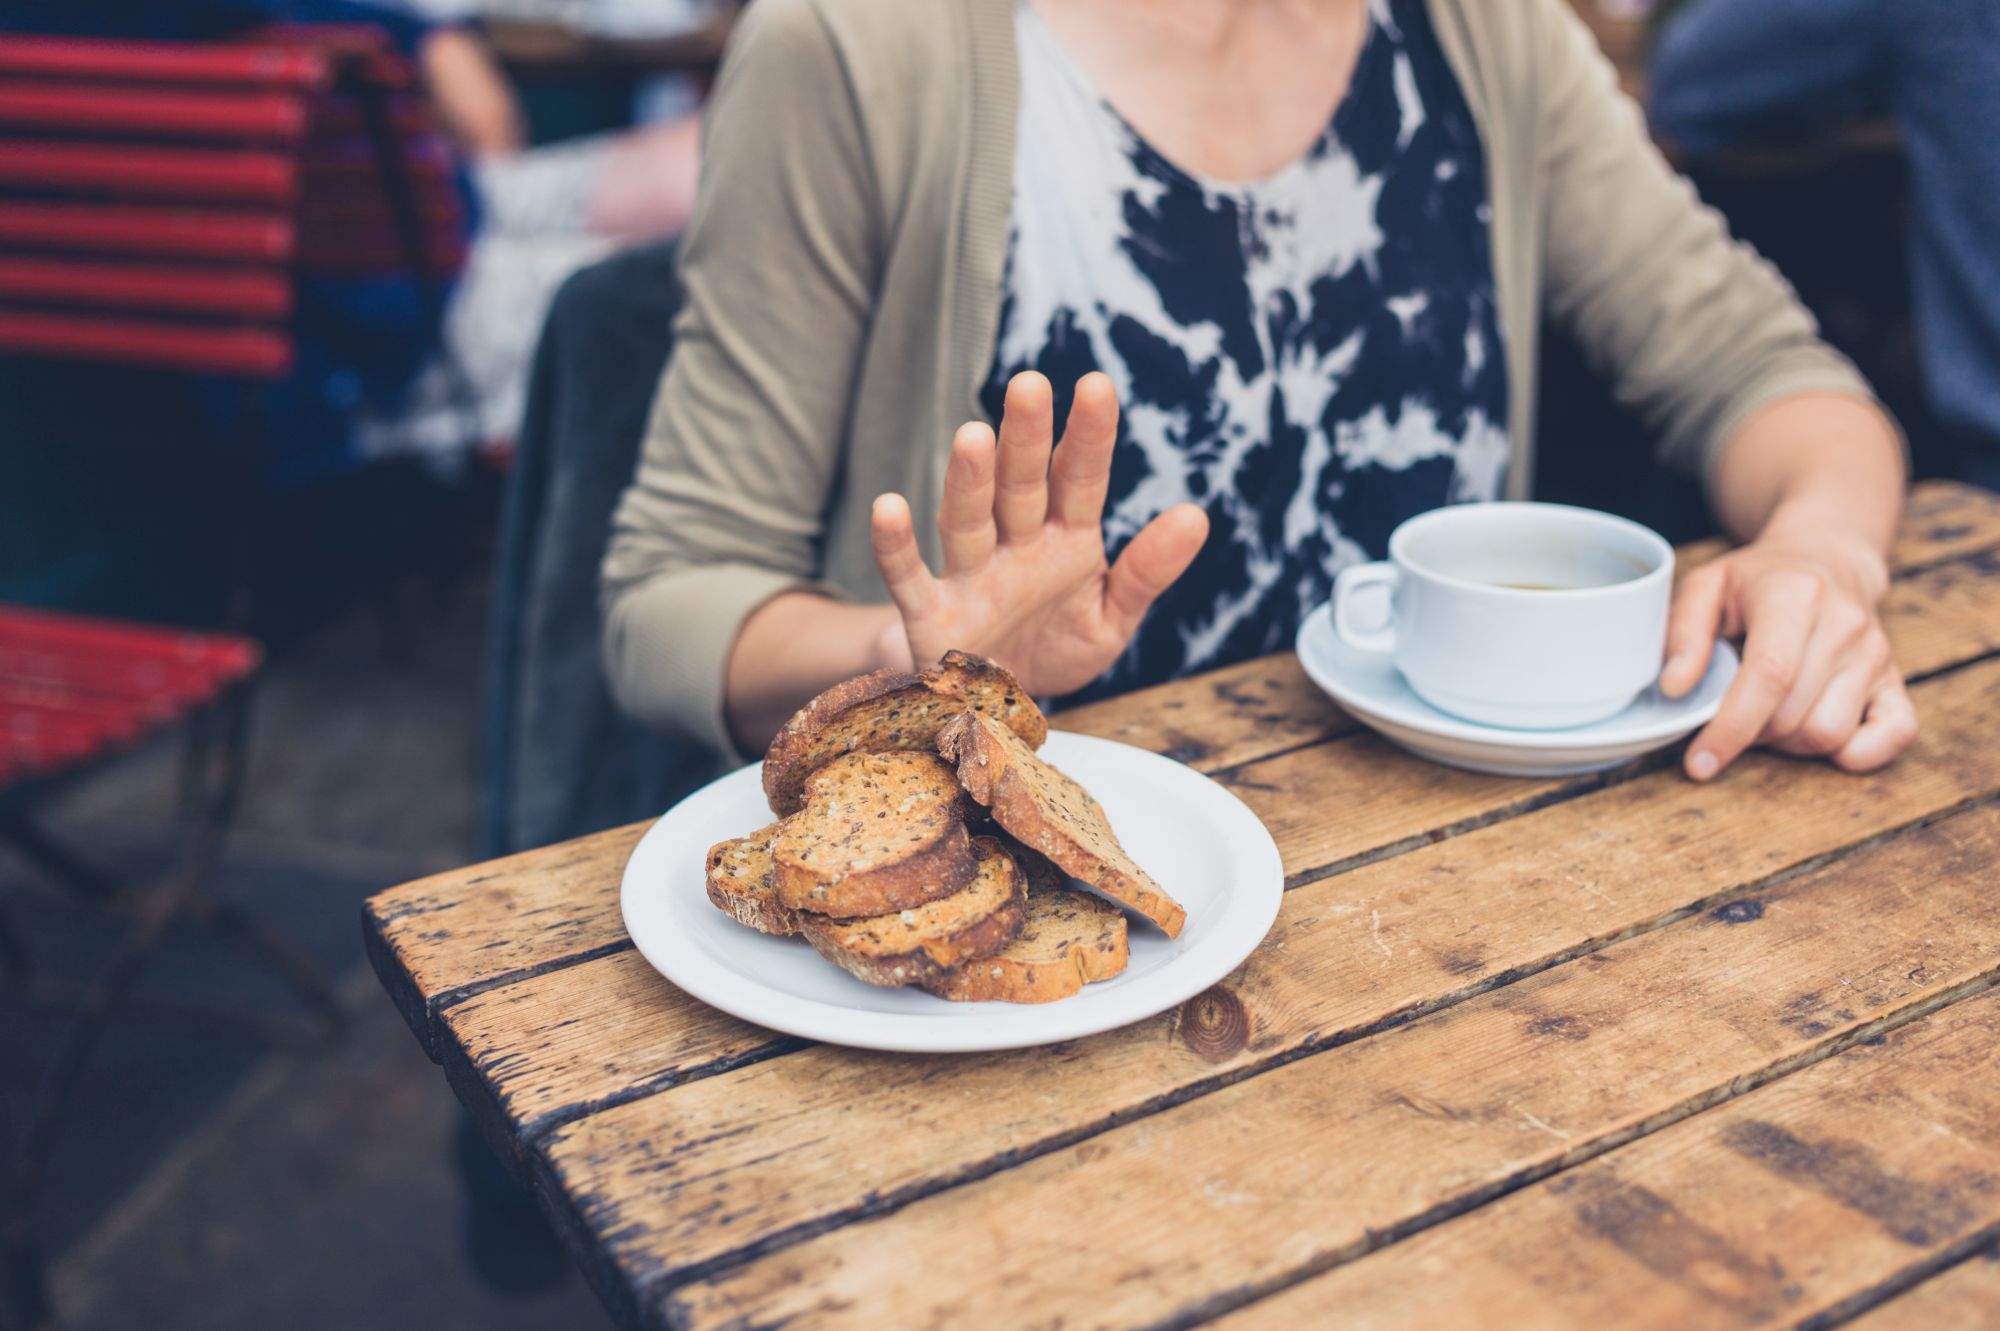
1201, 843
1372, 689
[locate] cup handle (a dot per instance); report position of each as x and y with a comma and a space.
1345, 585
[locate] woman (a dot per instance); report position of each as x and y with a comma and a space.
1309, 244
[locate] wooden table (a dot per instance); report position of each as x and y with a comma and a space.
1596, 1051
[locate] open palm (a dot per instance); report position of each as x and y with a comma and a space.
1025, 579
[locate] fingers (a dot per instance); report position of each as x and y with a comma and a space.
1840, 643
1836, 713
1027, 430
1150, 563
1780, 621
1691, 630
1082, 471
894, 537
965, 513
1890, 727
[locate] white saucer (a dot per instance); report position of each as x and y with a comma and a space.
1368, 686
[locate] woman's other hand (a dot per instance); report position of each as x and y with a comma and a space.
1025, 579
1817, 678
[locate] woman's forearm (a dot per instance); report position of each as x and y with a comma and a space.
794, 646
1812, 466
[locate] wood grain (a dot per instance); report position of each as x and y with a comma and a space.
1348, 955
1200, 1208
434, 940
437, 940
1581, 872
1221, 718
1778, 1206
1965, 1297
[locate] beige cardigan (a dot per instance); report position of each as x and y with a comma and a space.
842, 278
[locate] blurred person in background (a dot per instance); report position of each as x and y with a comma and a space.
1738, 73
1286, 263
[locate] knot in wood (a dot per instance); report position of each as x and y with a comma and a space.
1215, 1024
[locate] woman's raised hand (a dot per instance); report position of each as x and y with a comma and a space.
1025, 580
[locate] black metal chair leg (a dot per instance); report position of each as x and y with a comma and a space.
114, 980
231, 921
14, 957
57, 863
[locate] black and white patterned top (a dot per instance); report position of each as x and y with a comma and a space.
1313, 357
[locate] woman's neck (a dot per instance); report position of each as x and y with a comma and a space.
1230, 89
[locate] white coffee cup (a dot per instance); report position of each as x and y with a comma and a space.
1529, 616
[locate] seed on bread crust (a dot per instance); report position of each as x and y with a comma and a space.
1070, 939
839, 856
922, 944
892, 710
740, 883
1047, 811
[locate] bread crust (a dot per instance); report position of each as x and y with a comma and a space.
1047, 811
739, 883
1070, 939
890, 710
828, 859
922, 945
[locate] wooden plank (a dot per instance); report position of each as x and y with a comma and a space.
1945, 614
567, 1043
1202, 1207
441, 937
1779, 1206
437, 940
1945, 519
1222, 718
1965, 1297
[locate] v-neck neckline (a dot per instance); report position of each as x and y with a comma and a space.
1275, 182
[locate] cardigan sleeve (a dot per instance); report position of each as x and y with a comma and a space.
778, 271
1692, 328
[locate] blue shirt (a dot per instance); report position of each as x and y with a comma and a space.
1311, 357
1726, 72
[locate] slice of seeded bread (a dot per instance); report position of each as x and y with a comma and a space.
880, 832
1047, 811
923, 943
740, 883
1070, 939
891, 710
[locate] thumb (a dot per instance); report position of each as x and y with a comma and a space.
1150, 564
1691, 629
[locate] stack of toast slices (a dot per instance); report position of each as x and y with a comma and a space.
922, 841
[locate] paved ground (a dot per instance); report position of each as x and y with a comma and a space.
217, 1185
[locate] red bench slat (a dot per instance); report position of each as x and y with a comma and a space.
149, 232
234, 292
189, 175
114, 109
290, 64
253, 352
62, 633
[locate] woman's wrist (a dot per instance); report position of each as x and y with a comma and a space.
792, 647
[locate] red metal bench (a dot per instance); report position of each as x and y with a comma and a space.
159, 201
